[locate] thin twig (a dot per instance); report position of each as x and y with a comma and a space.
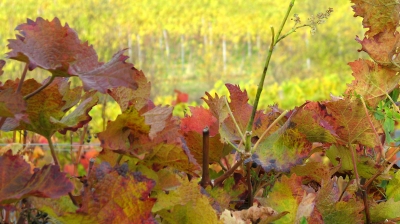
234, 120
39, 89
221, 178
21, 82
353, 158
53, 152
366, 207
269, 128
249, 185
379, 156
391, 165
81, 141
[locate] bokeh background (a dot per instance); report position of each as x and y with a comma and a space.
198, 45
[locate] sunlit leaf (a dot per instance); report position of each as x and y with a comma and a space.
372, 81
138, 95
286, 196
378, 15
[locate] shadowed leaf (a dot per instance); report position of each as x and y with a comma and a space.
17, 181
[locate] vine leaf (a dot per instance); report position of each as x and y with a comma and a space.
372, 81
11, 103
80, 116
285, 197
18, 182
383, 211
199, 119
283, 149
137, 96
152, 136
183, 204
241, 111
310, 121
56, 48
392, 189
47, 109
217, 149
128, 125
378, 15
114, 195
333, 210
382, 48
348, 118
47, 103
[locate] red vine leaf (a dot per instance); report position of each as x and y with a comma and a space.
378, 15
137, 96
116, 196
199, 119
57, 48
180, 97
17, 181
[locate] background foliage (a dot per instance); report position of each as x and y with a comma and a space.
180, 44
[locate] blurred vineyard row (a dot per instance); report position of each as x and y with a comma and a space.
192, 45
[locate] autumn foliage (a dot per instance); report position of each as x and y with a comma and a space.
321, 162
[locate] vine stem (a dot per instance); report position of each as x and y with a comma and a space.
234, 120
221, 178
205, 180
353, 158
53, 152
381, 149
81, 142
39, 89
22, 78
269, 127
274, 41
